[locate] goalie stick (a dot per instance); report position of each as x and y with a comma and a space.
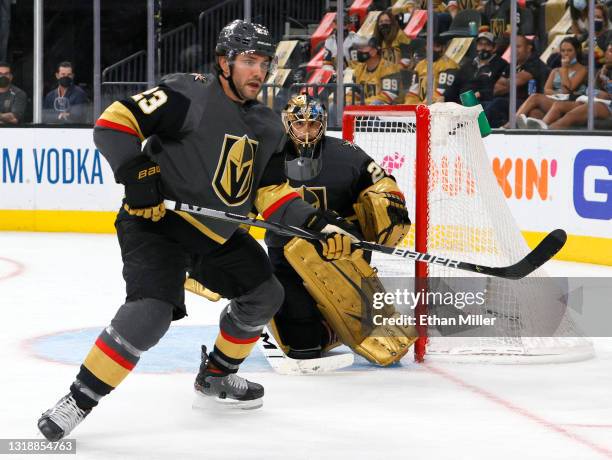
542, 253
282, 364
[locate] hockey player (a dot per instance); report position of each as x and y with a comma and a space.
324, 299
209, 143
445, 71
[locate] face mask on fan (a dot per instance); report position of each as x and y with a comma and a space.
385, 29
580, 5
363, 56
65, 81
483, 55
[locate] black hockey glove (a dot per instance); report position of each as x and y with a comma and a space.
339, 233
142, 188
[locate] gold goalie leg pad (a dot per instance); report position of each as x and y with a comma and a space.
343, 290
274, 331
199, 289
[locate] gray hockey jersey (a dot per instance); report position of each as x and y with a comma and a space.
212, 151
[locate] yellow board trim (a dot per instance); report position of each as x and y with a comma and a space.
587, 249
578, 248
57, 221
103, 367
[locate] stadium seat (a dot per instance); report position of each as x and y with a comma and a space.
460, 27
418, 19
360, 8
326, 26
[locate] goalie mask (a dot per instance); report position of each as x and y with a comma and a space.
305, 121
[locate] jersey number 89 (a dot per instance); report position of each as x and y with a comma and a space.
446, 79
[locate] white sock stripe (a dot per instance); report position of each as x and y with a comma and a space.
122, 342
87, 391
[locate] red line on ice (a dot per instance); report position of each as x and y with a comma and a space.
17, 270
519, 410
587, 425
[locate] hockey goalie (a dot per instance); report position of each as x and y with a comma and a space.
329, 303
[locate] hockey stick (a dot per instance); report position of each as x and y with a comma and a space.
542, 253
285, 365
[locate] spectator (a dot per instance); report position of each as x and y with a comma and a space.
563, 83
579, 12
445, 81
568, 114
12, 100
67, 103
5, 27
453, 8
481, 73
497, 16
602, 27
528, 67
390, 37
331, 49
380, 79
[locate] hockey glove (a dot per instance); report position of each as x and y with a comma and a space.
142, 189
339, 233
398, 215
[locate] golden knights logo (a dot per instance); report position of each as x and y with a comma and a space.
498, 27
314, 196
467, 4
234, 175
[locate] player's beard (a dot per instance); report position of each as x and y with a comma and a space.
247, 91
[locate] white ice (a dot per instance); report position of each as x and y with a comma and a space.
57, 282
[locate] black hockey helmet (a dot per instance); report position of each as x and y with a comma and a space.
240, 37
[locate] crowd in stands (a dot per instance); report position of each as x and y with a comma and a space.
385, 55
12, 99
66, 103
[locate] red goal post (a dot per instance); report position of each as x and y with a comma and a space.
439, 160
421, 116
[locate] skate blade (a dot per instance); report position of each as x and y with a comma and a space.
214, 402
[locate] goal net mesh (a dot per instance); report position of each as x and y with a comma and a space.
465, 217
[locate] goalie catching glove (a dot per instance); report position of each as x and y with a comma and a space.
143, 197
382, 214
339, 233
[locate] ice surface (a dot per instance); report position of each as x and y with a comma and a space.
58, 290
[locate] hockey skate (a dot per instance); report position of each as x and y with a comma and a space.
60, 420
226, 389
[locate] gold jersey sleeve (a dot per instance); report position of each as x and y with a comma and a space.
392, 52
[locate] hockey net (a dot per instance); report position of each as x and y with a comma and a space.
458, 211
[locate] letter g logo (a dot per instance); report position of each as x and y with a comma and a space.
593, 184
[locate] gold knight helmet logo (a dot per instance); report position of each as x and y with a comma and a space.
234, 175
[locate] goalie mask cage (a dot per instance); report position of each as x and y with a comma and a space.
438, 158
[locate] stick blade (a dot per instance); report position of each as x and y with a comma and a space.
542, 253
323, 365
